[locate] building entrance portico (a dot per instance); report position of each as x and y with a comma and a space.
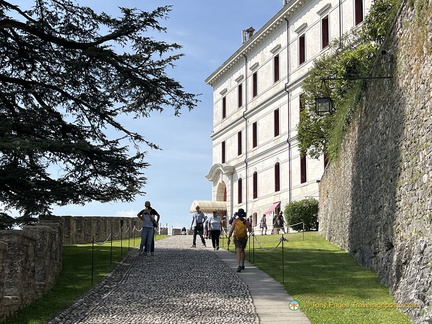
221, 192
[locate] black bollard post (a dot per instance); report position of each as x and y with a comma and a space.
283, 261
253, 248
92, 262
111, 250
121, 239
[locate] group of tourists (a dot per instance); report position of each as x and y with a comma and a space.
204, 227
240, 226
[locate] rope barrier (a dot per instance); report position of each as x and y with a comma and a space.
113, 236
270, 250
295, 224
137, 229
109, 236
117, 234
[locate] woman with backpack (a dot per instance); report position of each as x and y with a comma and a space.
239, 227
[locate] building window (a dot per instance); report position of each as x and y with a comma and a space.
326, 160
239, 191
276, 68
301, 105
239, 143
324, 32
276, 122
302, 49
303, 169
223, 152
277, 176
240, 95
254, 84
223, 107
358, 11
254, 134
255, 185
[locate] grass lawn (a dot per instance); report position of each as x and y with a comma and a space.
329, 284
76, 277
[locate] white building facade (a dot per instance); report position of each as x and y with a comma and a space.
256, 107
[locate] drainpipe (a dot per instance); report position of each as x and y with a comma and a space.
340, 20
289, 116
231, 176
246, 134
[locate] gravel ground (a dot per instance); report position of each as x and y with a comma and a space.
179, 284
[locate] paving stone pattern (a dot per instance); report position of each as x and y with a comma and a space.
178, 285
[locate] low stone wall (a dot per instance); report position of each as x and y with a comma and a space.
176, 231
376, 200
30, 260
83, 229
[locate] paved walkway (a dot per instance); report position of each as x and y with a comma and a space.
183, 285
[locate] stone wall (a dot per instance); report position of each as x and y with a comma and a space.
82, 229
30, 260
376, 200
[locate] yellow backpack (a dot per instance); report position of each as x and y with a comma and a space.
240, 228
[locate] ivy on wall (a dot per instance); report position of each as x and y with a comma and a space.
347, 59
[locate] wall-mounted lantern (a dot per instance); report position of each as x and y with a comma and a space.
323, 106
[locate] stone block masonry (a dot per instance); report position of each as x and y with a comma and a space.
82, 229
376, 199
31, 259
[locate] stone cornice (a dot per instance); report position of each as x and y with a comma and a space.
220, 168
287, 11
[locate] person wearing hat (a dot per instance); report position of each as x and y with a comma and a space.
198, 220
239, 227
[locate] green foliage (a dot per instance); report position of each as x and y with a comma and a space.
305, 211
6, 221
349, 58
64, 88
378, 22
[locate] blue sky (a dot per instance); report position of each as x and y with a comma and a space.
210, 32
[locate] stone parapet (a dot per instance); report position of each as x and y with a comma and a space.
83, 229
30, 261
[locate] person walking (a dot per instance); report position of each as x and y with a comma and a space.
206, 228
263, 225
281, 222
215, 227
148, 216
156, 217
240, 227
198, 220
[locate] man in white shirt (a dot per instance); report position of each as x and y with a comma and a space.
198, 220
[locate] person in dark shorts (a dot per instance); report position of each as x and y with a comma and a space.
239, 228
